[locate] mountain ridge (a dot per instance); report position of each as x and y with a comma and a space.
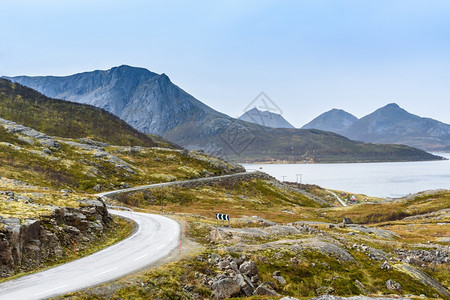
151, 103
392, 124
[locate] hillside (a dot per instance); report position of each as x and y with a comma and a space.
335, 120
65, 119
86, 165
265, 118
152, 104
392, 124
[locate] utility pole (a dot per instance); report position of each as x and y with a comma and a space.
283, 178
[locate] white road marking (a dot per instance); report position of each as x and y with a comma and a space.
54, 289
98, 274
140, 257
163, 245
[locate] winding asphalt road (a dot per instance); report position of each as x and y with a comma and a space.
154, 238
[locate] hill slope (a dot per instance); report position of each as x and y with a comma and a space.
265, 118
335, 120
392, 124
151, 103
23, 105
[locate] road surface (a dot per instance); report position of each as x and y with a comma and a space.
337, 197
154, 238
145, 187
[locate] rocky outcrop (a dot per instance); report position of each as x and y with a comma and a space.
28, 134
238, 277
27, 244
420, 257
424, 278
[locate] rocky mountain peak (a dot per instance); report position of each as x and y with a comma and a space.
335, 120
265, 118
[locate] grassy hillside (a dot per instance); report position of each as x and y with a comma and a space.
284, 232
65, 119
92, 168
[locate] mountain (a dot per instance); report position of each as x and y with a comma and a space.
335, 120
392, 124
265, 118
26, 106
151, 103
147, 101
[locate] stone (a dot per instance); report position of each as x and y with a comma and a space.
245, 284
47, 151
324, 290
249, 268
223, 264
280, 279
385, 266
264, 289
393, 285
347, 221
225, 288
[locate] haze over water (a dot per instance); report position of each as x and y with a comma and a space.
373, 179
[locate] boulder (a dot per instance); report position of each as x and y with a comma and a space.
347, 221
225, 288
264, 289
249, 268
245, 284
393, 285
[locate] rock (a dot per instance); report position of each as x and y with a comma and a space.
225, 288
47, 151
347, 221
223, 264
424, 278
393, 286
385, 266
234, 266
280, 280
25, 140
245, 284
277, 276
324, 290
255, 279
249, 268
264, 289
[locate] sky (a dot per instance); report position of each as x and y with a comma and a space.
308, 56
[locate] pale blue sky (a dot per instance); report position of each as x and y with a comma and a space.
308, 56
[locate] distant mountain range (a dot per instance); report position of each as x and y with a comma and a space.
265, 118
388, 125
151, 103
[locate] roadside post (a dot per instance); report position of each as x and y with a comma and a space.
224, 218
